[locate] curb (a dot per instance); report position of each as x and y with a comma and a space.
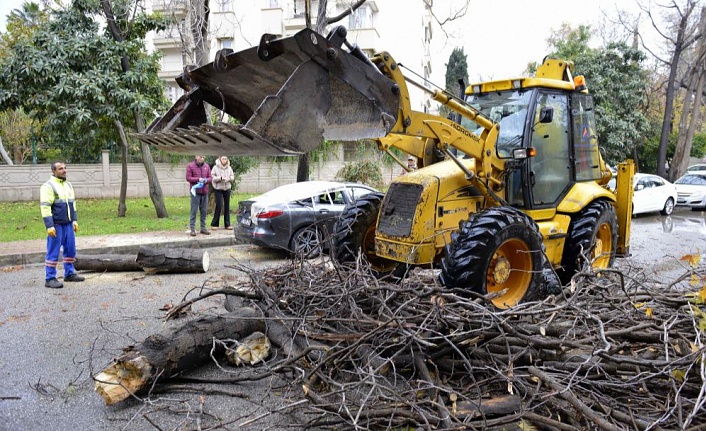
38, 257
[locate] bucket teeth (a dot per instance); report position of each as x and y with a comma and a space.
219, 140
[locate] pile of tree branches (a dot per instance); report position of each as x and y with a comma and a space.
612, 351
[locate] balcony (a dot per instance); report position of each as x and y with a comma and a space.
176, 7
367, 39
163, 41
272, 19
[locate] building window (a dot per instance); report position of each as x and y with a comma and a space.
223, 6
174, 93
274, 4
226, 43
361, 18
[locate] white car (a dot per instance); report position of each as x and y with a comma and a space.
692, 190
696, 169
653, 193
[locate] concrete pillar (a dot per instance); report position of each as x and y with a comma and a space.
105, 158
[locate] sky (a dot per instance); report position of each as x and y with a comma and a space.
499, 43
6, 6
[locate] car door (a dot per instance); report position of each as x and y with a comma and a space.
328, 206
659, 195
640, 198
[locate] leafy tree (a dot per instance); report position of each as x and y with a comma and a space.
617, 82
85, 80
456, 68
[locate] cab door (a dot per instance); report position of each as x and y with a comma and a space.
550, 168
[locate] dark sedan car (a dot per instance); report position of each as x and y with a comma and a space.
297, 217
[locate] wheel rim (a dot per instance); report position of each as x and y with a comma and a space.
510, 268
603, 246
308, 243
377, 263
669, 206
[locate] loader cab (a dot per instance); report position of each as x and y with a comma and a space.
559, 125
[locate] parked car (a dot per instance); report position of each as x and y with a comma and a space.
297, 217
695, 169
691, 190
653, 193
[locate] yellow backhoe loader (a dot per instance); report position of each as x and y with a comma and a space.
514, 186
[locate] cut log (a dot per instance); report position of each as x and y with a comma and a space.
172, 260
107, 262
172, 352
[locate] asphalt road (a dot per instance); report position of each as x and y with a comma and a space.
52, 341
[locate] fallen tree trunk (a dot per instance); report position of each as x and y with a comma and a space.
172, 260
107, 262
172, 352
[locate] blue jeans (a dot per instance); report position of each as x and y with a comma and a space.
198, 203
64, 238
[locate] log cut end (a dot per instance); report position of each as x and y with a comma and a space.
122, 379
253, 349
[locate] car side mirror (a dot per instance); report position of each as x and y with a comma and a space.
639, 187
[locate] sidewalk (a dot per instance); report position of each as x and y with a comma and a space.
34, 251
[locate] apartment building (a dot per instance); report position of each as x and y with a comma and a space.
378, 25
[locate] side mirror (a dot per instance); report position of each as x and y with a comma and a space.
546, 115
523, 153
639, 187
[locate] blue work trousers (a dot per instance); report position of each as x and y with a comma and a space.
64, 238
198, 203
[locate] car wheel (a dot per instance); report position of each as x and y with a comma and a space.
496, 250
306, 243
354, 234
593, 236
668, 207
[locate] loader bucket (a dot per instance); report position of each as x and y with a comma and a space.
287, 96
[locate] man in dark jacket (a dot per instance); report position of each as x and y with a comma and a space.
198, 174
58, 207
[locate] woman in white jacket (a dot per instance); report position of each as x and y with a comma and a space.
222, 179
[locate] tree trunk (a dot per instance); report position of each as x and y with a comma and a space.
154, 186
681, 43
172, 260
199, 30
691, 111
107, 262
122, 205
5, 156
174, 351
303, 168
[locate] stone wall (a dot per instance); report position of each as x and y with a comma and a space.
102, 181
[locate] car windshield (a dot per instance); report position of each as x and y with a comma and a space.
692, 179
509, 109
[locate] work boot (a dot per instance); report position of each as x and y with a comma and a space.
53, 283
193, 232
205, 231
74, 277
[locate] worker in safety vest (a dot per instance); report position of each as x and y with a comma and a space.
58, 206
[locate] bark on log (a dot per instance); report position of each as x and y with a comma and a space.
107, 262
174, 351
173, 260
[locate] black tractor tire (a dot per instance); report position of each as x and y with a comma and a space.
593, 234
306, 243
495, 249
354, 234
